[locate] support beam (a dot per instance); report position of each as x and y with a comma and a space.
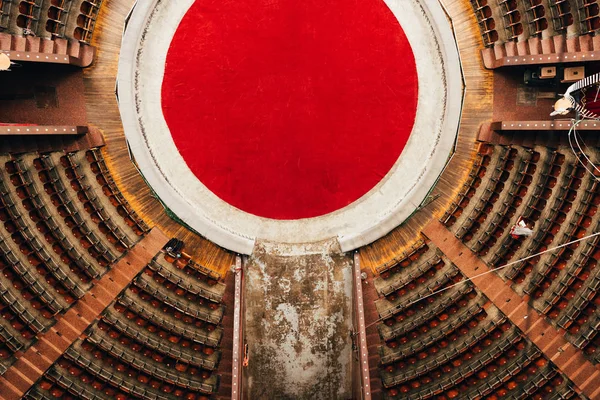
47, 143
549, 340
363, 354
541, 126
54, 51
34, 362
491, 62
53, 130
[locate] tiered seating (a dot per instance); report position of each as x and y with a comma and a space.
512, 18
50, 186
109, 188
536, 13
57, 17
436, 344
406, 258
562, 16
68, 19
478, 172
531, 207
481, 223
52, 223
193, 287
406, 292
68, 380
142, 347
589, 17
86, 20
29, 15
424, 285
558, 198
565, 220
528, 376
482, 233
5, 6
487, 23
176, 347
118, 233
423, 380
184, 262
57, 270
406, 312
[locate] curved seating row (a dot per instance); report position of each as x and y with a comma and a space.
69, 19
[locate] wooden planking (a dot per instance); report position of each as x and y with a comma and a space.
103, 112
477, 109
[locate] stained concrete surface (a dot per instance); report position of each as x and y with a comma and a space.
298, 322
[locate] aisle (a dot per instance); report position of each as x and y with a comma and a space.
298, 322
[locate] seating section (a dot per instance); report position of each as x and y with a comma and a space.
56, 239
562, 14
98, 167
49, 19
159, 339
455, 343
486, 20
86, 20
512, 16
5, 7
589, 17
555, 193
511, 28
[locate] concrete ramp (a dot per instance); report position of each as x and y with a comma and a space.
298, 322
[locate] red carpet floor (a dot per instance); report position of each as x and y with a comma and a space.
290, 109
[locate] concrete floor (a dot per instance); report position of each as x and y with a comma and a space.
298, 322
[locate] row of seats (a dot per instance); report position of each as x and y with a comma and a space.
142, 361
110, 189
150, 344
184, 262
69, 19
559, 201
532, 206
455, 340
155, 292
403, 260
42, 272
144, 298
504, 193
20, 276
589, 15
487, 157
117, 232
525, 19
156, 321
32, 251
66, 380
55, 193
440, 307
86, 20
49, 224
181, 349
399, 283
193, 287
447, 374
581, 300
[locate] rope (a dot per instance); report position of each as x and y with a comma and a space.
482, 274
